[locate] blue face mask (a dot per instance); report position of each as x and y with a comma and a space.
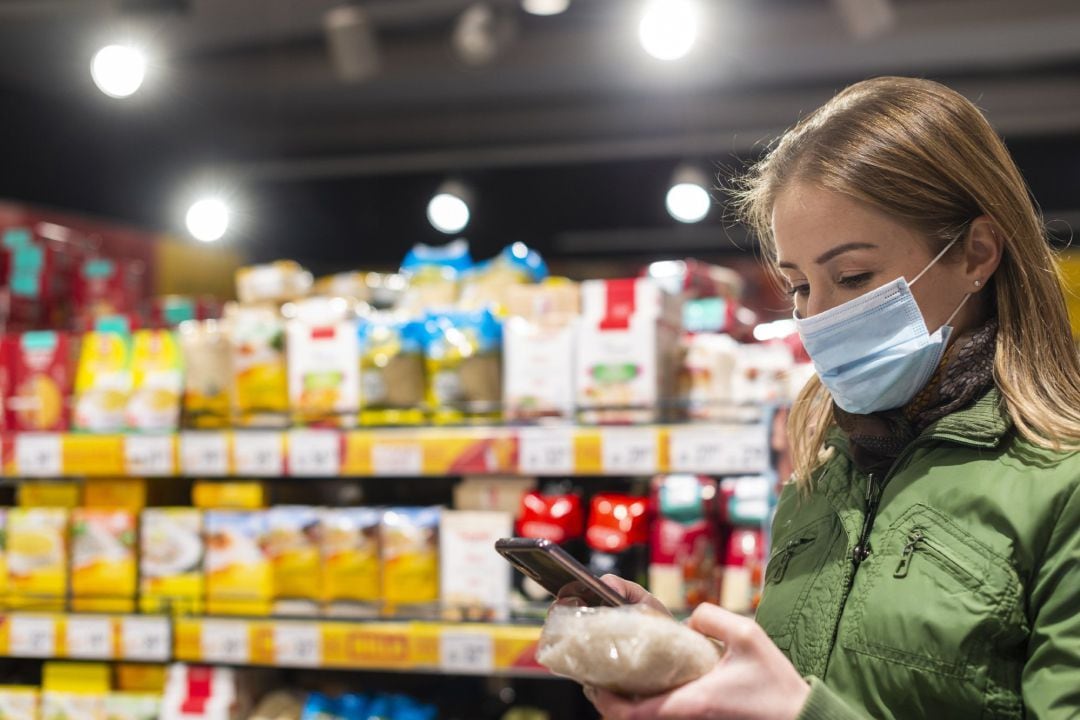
875, 353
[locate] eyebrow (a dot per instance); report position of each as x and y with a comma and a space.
832, 253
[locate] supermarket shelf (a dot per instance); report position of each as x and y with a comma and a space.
708, 448
470, 649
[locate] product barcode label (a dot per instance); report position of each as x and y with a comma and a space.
226, 641
150, 455
297, 644
39, 454
629, 451
397, 458
32, 636
720, 449
89, 637
205, 453
466, 653
259, 454
546, 451
314, 453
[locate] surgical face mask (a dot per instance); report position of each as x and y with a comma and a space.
875, 353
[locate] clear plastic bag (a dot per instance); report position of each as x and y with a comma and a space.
631, 650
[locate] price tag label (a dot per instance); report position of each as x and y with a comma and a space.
39, 454
720, 449
314, 453
397, 458
629, 451
259, 454
466, 653
297, 644
145, 638
205, 453
89, 637
546, 451
32, 636
227, 642
146, 455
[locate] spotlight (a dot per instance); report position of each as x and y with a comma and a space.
545, 7
208, 219
118, 70
669, 28
688, 200
448, 211
351, 41
483, 32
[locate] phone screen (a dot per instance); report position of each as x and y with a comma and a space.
561, 575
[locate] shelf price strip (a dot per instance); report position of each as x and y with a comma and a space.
32, 636
465, 652
259, 454
88, 637
225, 641
39, 454
204, 453
546, 451
150, 455
720, 449
314, 453
145, 638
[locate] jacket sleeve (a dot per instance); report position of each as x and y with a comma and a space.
824, 704
1051, 678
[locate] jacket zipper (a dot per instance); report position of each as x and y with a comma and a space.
783, 557
918, 541
873, 497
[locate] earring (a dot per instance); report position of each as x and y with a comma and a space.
978, 283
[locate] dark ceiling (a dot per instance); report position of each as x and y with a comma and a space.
569, 137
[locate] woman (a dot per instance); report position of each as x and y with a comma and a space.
927, 553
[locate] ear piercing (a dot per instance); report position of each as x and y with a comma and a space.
978, 283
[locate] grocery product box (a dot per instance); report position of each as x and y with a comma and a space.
106, 286
103, 380
492, 493
207, 358
475, 580
555, 513
126, 493
74, 691
57, 705
554, 298
618, 536
409, 539
627, 351
234, 495
352, 569
238, 572
132, 706
40, 377
324, 366
743, 569
171, 560
278, 281
48, 494
539, 368
37, 558
707, 376
683, 569
19, 702
157, 381
293, 548
464, 366
103, 569
259, 386
392, 382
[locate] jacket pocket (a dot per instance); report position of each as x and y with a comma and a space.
930, 597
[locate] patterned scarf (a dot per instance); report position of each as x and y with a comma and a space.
965, 373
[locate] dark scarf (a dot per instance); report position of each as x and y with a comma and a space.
965, 373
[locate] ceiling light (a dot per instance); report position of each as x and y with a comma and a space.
208, 219
448, 211
483, 32
545, 7
118, 70
688, 199
351, 41
669, 28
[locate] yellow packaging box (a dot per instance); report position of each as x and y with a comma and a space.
352, 572
171, 561
102, 560
74, 691
140, 677
157, 381
409, 541
260, 393
103, 381
293, 548
207, 373
48, 493
19, 702
238, 572
126, 493
37, 558
209, 495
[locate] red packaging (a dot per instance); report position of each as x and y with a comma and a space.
744, 562
683, 569
618, 536
168, 311
559, 518
40, 373
106, 287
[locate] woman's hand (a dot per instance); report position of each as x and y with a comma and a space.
753, 679
634, 593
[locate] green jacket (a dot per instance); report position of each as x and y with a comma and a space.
968, 603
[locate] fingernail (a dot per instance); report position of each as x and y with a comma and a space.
570, 602
590, 692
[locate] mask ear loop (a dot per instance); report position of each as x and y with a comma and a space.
957, 310
934, 262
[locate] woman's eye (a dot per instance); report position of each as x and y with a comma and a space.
854, 281
798, 290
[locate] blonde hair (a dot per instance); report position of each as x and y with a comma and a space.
927, 157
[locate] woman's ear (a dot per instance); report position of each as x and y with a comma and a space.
982, 251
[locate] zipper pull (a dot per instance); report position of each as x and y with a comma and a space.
785, 558
873, 496
906, 557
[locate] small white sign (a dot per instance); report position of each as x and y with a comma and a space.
546, 451
397, 458
259, 454
32, 636
145, 638
89, 637
204, 453
39, 454
297, 645
720, 449
314, 453
150, 455
629, 451
466, 653
226, 641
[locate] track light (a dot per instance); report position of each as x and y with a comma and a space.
118, 70
449, 210
545, 7
669, 28
688, 199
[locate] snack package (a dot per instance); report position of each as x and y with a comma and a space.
40, 378
683, 570
279, 281
707, 376
746, 500
19, 702
103, 567
107, 286
433, 275
56, 705
381, 291
410, 558
555, 514
539, 378
37, 558
127, 493
391, 371
204, 346
323, 363
132, 706
744, 566
351, 560
618, 536
761, 374
464, 366
493, 493
486, 284
103, 380
157, 381
631, 650
293, 548
171, 561
235, 495
260, 394
475, 582
48, 494
238, 572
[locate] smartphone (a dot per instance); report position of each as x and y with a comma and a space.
557, 571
